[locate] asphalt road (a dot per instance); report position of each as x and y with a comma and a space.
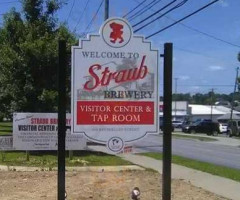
198, 150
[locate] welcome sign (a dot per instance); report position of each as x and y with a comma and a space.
114, 86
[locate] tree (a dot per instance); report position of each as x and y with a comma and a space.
29, 57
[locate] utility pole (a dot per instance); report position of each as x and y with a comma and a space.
235, 87
212, 91
175, 106
106, 10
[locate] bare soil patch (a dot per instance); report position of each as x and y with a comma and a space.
95, 185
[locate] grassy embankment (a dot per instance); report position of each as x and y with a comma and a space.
49, 159
222, 171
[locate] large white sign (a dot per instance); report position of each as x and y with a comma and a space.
38, 131
114, 86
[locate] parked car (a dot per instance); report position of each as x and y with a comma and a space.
233, 128
223, 127
208, 127
177, 124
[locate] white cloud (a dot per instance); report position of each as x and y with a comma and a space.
223, 3
216, 68
184, 77
195, 89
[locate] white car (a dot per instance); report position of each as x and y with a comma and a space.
177, 124
223, 128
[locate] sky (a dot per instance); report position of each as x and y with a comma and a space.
205, 46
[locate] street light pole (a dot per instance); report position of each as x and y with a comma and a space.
212, 90
175, 106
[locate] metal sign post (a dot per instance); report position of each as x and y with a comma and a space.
61, 119
167, 122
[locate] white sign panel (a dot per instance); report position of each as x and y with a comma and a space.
6, 143
114, 86
38, 131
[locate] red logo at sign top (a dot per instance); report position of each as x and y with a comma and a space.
116, 32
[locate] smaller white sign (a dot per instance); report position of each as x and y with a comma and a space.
6, 143
38, 131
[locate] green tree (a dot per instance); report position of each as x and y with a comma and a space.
29, 57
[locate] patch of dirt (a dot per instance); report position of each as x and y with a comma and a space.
95, 185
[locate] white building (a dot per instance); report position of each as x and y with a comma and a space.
208, 112
181, 110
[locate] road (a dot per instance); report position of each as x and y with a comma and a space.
203, 151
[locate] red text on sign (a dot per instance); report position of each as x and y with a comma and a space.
118, 77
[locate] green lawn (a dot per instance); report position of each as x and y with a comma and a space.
49, 159
226, 172
5, 128
200, 138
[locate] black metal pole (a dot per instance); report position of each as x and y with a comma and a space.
167, 122
61, 118
106, 10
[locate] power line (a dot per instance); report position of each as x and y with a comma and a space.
134, 8
198, 31
144, 9
8, 2
198, 53
170, 10
93, 18
191, 14
155, 13
84, 9
71, 10
210, 85
209, 35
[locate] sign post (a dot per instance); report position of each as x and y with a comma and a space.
167, 122
61, 119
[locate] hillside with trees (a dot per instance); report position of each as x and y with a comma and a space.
29, 57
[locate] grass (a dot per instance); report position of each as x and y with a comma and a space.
226, 172
5, 128
200, 138
49, 159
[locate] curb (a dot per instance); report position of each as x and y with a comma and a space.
72, 169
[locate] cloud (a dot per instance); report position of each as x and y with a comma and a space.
216, 68
184, 77
223, 3
195, 89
